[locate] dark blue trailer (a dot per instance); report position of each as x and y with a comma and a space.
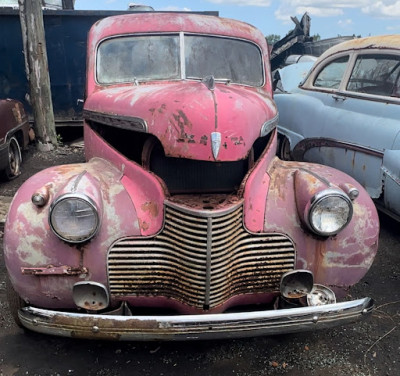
66, 32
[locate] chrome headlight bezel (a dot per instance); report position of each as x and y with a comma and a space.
89, 203
316, 202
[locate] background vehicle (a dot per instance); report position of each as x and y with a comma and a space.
183, 224
346, 115
14, 135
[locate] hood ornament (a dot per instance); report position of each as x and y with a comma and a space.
215, 143
209, 81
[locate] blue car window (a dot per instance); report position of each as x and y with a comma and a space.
331, 75
376, 74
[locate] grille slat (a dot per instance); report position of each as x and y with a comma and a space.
177, 263
154, 253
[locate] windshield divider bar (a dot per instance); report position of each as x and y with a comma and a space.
182, 55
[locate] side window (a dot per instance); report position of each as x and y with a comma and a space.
331, 75
376, 74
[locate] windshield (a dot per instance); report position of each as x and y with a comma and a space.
139, 58
158, 57
223, 58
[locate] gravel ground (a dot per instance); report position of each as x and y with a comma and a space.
370, 347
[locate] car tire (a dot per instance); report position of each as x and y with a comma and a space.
284, 149
13, 168
15, 303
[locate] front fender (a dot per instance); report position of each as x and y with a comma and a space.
336, 261
35, 256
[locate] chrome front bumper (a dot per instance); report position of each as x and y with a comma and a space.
193, 327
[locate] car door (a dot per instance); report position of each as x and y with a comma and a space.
391, 173
356, 117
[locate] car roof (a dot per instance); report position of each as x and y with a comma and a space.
379, 42
175, 22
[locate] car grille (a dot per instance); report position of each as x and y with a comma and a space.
200, 259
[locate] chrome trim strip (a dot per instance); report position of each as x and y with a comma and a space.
269, 125
124, 122
193, 327
215, 213
309, 143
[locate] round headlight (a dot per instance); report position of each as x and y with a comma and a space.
330, 211
74, 218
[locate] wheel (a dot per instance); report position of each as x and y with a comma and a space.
15, 303
13, 168
284, 149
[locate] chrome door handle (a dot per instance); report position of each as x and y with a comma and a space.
338, 97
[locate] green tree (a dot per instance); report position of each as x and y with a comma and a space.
272, 38
316, 37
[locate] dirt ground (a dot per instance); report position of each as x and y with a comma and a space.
370, 347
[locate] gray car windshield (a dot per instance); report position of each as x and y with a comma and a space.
158, 57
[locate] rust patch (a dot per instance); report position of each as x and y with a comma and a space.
203, 140
143, 225
55, 270
237, 140
162, 109
17, 113
151, 208
181, 123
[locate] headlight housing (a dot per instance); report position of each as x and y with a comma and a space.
74, 218
329, 212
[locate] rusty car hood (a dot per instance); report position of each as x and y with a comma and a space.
188, 116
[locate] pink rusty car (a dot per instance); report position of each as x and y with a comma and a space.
183, 224
14, 136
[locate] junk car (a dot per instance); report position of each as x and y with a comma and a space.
183, 224
346, 113
14, 136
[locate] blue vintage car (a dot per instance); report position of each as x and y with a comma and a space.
346, 114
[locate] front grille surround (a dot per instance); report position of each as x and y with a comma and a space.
201, 258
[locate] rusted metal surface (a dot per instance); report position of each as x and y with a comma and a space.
378, 42
338, 261
141, 186
183, 129
14, 121
197, 250
194, 327
52, 270
175, 263
13, 117
29, 243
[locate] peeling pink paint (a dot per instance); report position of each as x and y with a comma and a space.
142, 219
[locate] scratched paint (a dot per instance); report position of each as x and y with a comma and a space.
194, 252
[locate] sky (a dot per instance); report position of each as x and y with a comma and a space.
329, 18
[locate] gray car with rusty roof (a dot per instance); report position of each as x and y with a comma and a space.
345, 114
